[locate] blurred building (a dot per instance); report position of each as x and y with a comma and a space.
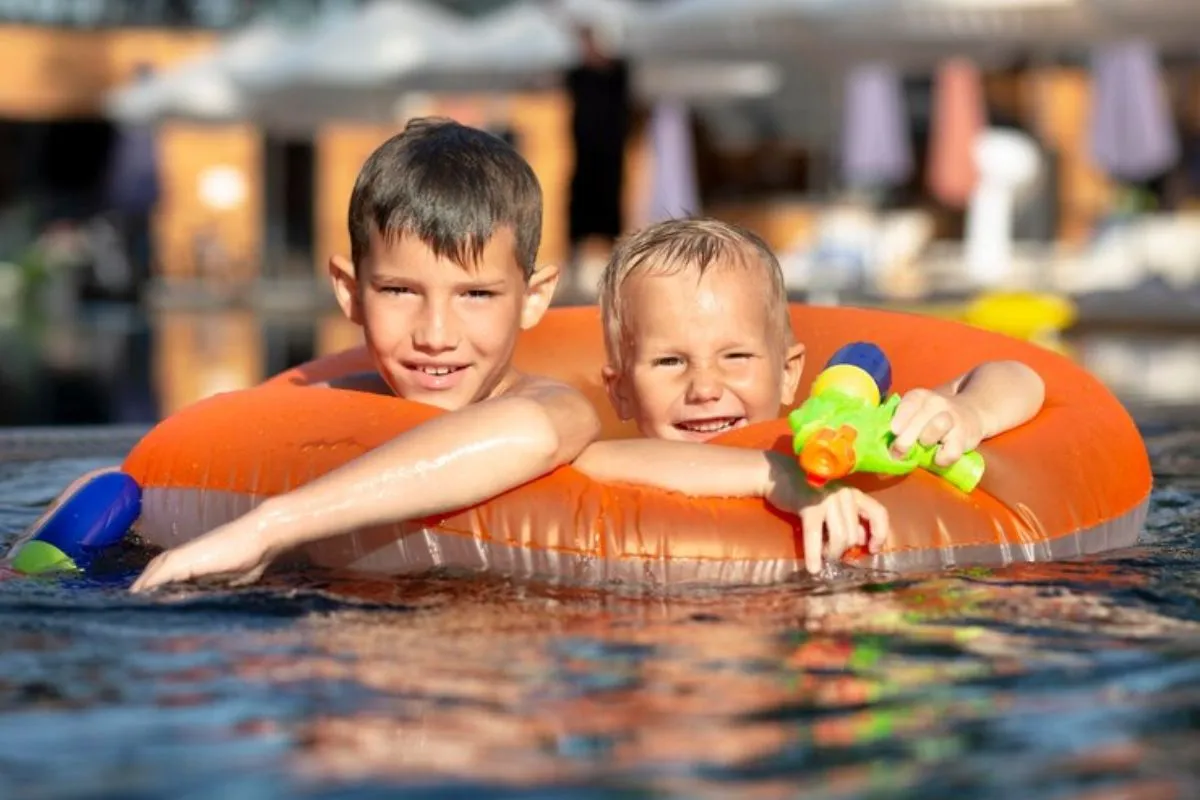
56, 145
240, 202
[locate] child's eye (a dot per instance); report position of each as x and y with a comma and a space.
740, 356
666, 361
395, 290
480, 294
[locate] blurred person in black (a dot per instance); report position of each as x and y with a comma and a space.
600, 119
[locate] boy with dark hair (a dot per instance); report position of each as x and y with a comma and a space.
445, 222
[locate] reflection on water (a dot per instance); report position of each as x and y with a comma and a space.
1077, 680
92, 370
115, 366
877, 689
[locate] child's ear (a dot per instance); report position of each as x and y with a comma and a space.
793, 368
539, 291
618, 392
345, 288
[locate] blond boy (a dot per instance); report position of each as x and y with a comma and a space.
699, 343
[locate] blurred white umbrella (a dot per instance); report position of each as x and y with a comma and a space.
684, 12
361, 66
901, 31
382, 42
194, 91
205, 87
612, 20
529, 39
351, 67
524, 43
523, 36
714, 27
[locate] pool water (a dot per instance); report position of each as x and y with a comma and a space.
1069, 680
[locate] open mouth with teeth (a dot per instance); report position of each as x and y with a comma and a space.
435, 371
435, 377
711, 426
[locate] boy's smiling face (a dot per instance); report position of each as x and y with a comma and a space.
703, 353
438, 333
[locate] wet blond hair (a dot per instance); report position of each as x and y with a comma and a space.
676, 245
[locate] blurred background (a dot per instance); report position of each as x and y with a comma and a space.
174, 174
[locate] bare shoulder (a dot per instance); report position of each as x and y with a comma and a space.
542, 389
568, 408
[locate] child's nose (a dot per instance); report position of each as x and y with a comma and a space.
434, 332
704, 386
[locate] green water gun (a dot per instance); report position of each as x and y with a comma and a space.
843, 427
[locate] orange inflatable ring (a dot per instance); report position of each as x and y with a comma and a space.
1075, 480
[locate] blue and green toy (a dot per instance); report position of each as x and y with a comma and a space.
95, 517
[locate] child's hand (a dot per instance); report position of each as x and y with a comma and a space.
234, 552
840, 521
834, 521
931, 418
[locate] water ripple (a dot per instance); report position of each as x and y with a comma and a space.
1071, 680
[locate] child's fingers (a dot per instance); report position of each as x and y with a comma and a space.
877, 516
812, 519
146, 579
910, 404
937, 428
158, 572
856, 531
840, 522
917, 428
952, 448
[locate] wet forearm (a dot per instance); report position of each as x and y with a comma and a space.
449, 463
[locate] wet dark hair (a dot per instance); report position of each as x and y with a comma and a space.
451, 186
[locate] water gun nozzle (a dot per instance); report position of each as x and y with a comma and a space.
828, 455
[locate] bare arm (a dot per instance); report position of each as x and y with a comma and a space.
1004, 394
697, 470
845, 516
451, 462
